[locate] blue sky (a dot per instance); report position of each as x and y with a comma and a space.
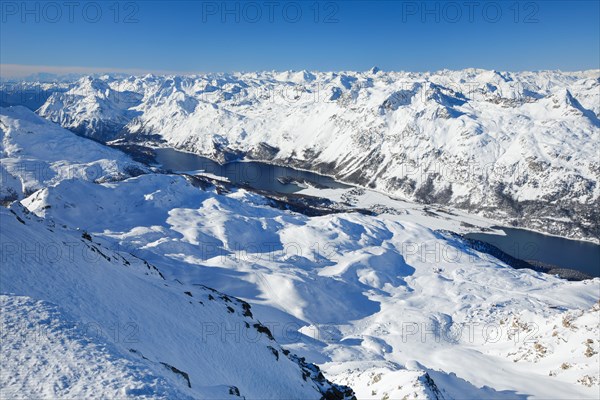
207, 36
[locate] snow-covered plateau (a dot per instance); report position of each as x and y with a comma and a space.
121, 280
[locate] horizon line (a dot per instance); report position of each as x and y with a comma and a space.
20, 71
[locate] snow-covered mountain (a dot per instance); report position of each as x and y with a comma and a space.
389, 305
107, 111
36, 153
521, 148
82, 320
366, 297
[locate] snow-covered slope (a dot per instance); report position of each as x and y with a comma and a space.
30, 94
36, 153
386, 306
45, 354
81, 320
106, 111
518, 147
390, 305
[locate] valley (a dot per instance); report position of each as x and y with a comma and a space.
388, 293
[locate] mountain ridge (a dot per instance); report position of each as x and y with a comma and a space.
520, 148
375, 299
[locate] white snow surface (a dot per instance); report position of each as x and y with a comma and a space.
389, 304
80, 320
46, 355
362, 291
36, 153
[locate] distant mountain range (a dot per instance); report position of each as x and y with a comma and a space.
521, 148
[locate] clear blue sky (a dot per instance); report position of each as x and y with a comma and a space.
343, 35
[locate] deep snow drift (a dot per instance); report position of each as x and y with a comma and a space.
389, 305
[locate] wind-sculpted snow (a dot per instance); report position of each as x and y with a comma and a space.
104, 323
45, 354
518, 147
391, 305
386, 306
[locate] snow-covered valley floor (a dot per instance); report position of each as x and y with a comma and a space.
109, 267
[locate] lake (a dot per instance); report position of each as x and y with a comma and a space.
255, 174
519, 243
528, 245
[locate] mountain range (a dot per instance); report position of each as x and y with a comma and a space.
120, 279
519, 148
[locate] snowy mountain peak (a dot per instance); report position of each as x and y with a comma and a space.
386, 300
368, 128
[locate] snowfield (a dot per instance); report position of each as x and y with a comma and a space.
521, 148
45, 355
112, 279
357, 294
36, 154
101, 323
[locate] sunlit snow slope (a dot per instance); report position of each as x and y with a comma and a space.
82, 318
521, 148
387, 306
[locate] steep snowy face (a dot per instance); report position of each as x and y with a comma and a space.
92, 107
36, 153
518, 147
81, 319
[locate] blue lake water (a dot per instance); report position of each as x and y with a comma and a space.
528, 245
519, 243
255, 174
